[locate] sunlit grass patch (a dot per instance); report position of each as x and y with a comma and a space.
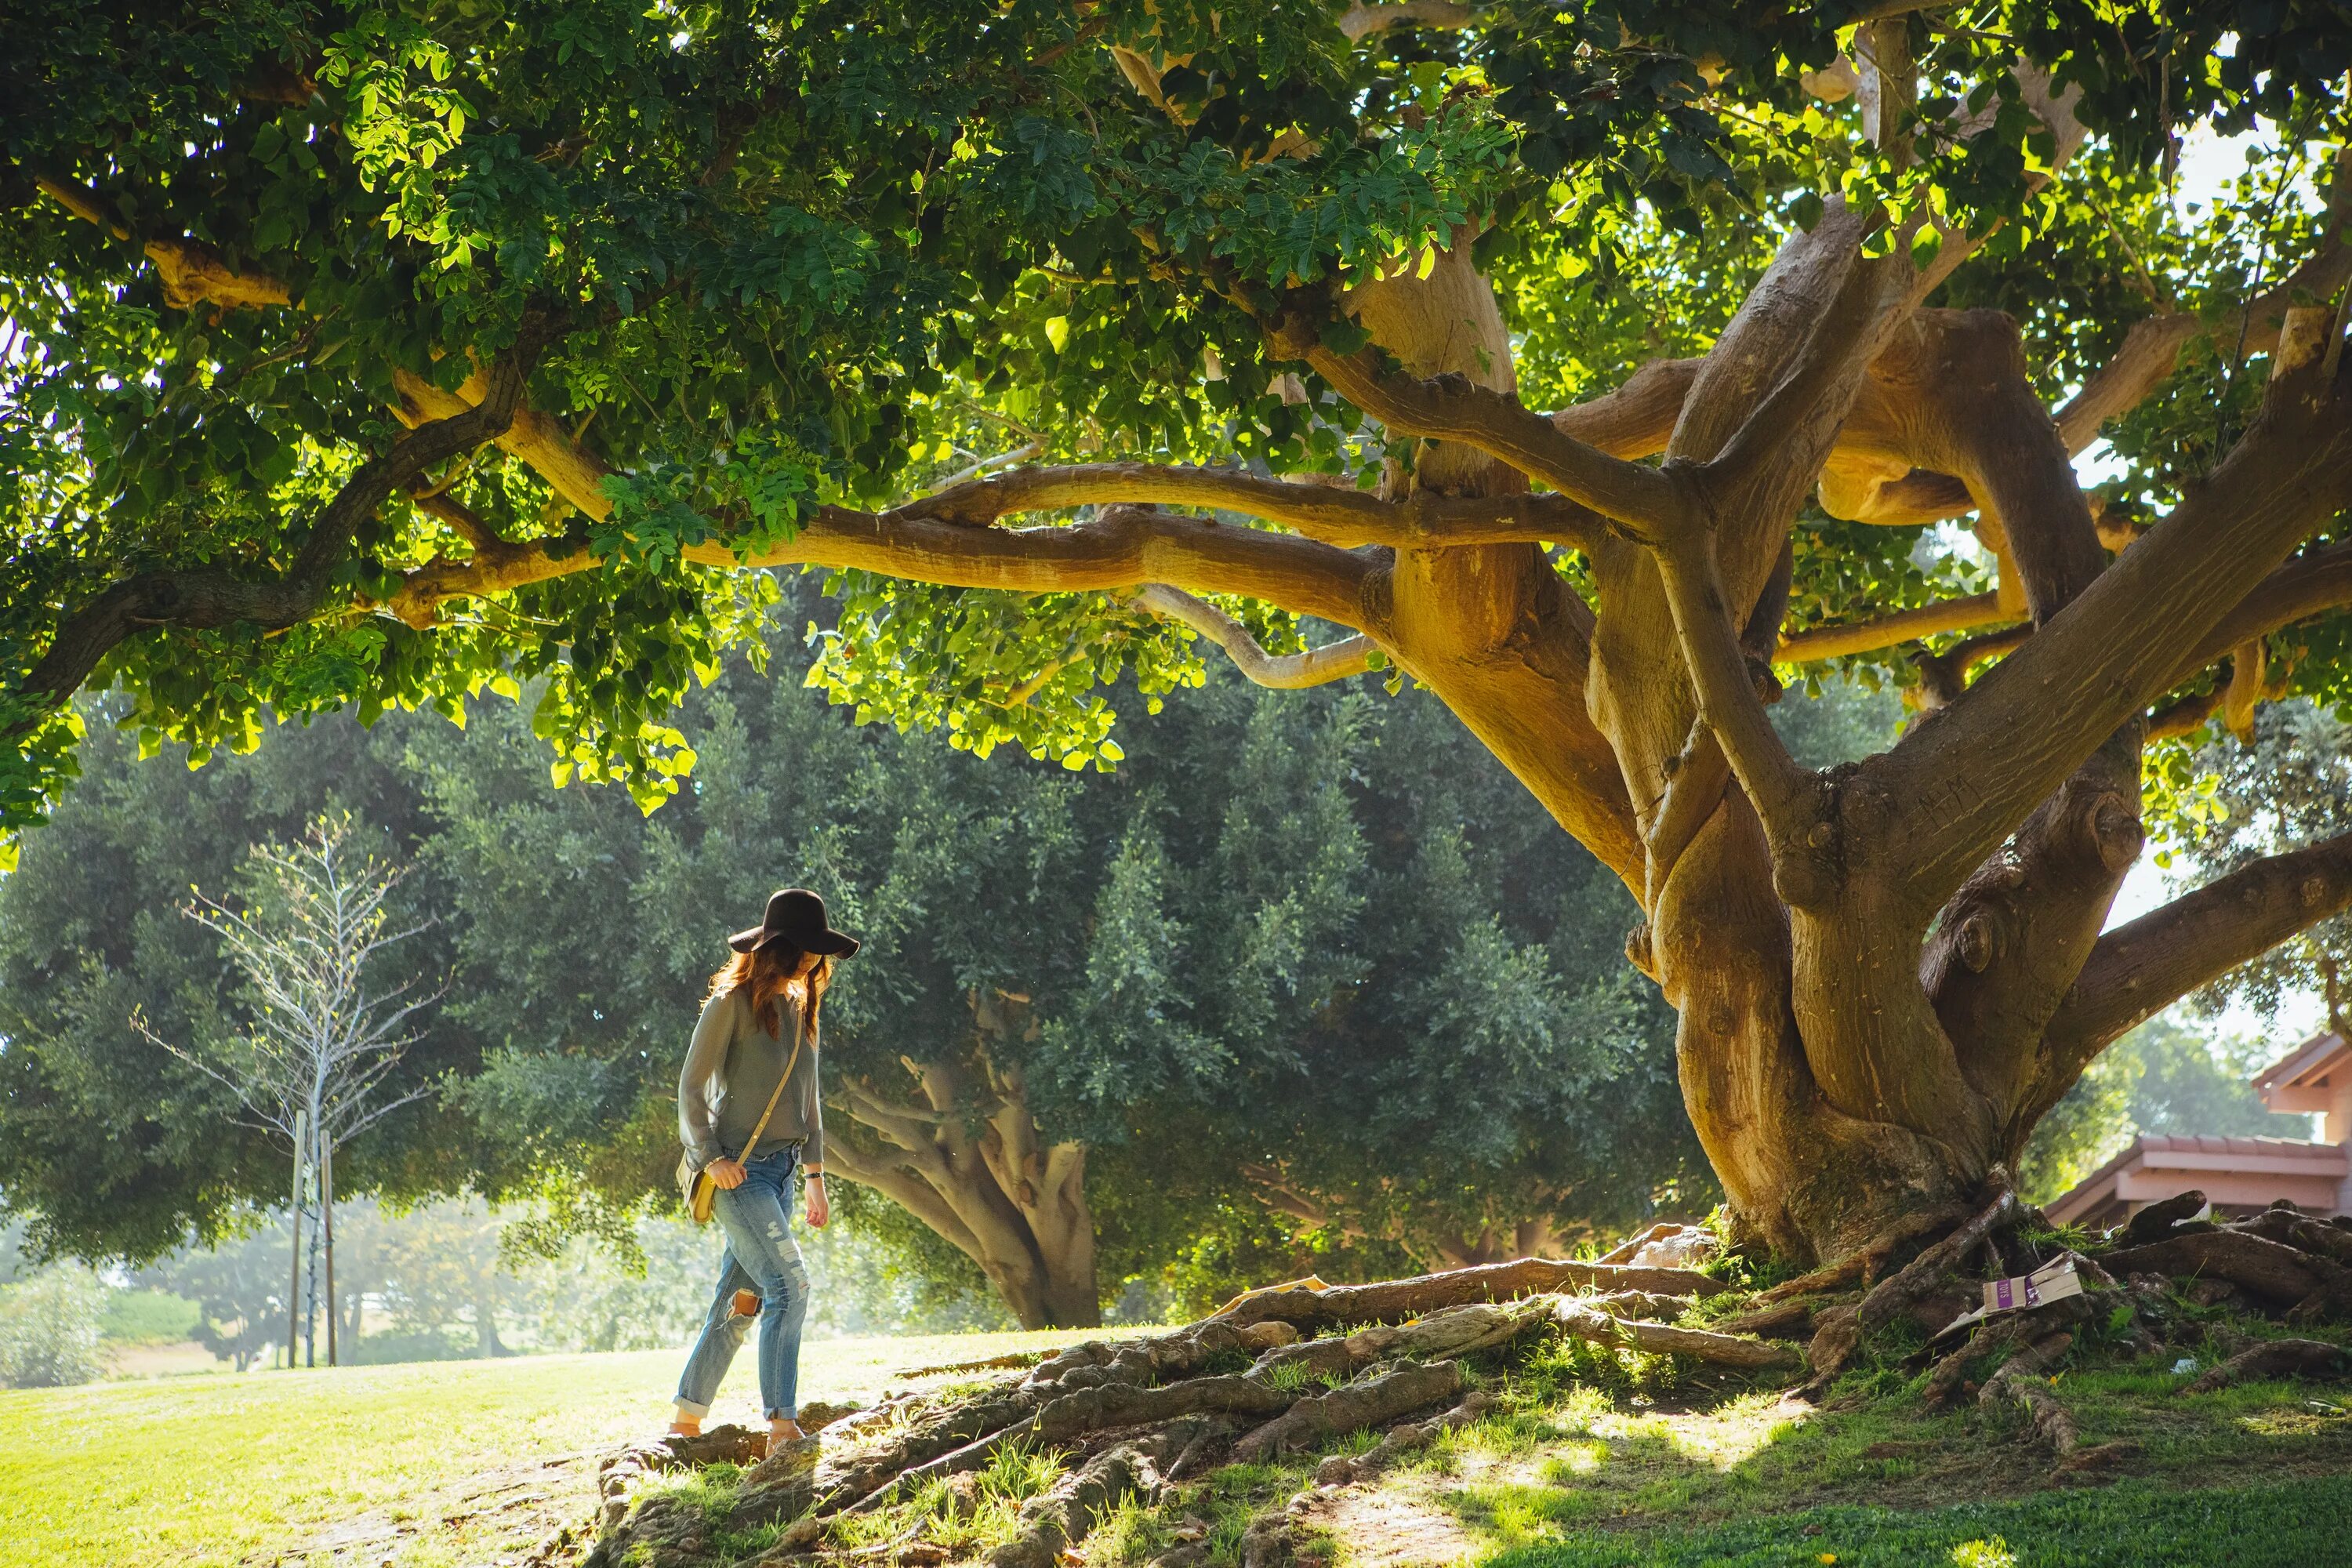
1289, 1377
1575, 1459
1128, 1532
713, 1489
1017, 1472
1506, 1515
132, 1472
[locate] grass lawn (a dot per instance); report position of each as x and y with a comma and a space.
2129, 1525
421, 1465
435, 1465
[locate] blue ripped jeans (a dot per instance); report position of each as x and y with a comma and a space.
761, 1256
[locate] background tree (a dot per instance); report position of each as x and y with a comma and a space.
239, 1288
49, 1326
90, 934
2285, 784
727, 291
2166, 1075
325, 1025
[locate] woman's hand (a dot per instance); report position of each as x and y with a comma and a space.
727, 1173
820, 1206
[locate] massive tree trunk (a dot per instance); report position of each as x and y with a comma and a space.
967, 1159
1866, 966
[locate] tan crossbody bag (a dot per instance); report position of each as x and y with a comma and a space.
695, 1187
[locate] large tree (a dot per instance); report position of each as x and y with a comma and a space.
374, 355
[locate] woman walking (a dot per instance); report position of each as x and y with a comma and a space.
748, 1115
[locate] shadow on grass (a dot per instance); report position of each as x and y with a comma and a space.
2134, 1524
1579, 1478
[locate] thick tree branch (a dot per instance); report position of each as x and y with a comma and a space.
1968, 776
210, 597
1122, 548
570, 469
1889, 631
193, 273
1450, 407
1291, 671
2143, 966
1637, 419
2311, 584
904, 1187
2185, 717
1347, 518
1728, 702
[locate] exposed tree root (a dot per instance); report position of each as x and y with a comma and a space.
1368, 1401
1579, 1320
1862, 1264
1289, 1369
1142, 1411
1342, 1469
1339, 1305
2276, 1358
1945, 1377
2273, 1272
2019, 1379
1051, 1524
1841, 1328
1791, 1318
2156, 1222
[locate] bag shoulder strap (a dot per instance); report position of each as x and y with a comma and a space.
800, 1037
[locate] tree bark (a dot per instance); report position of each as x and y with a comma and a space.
970, 1162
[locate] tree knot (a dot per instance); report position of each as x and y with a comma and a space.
1978, 941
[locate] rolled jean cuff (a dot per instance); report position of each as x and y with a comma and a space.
792, 1416
689, 1409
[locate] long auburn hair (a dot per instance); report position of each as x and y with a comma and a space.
767, 973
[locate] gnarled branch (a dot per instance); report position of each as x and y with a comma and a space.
1816, 643
1348, 517
1123, 547
2143, 966
208, 597
1290, 671
1970, 773
1451, 407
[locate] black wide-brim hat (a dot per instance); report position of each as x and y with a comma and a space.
796, 916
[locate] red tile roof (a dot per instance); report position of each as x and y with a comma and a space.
2319, 1053
2149, 1151
2328, 1154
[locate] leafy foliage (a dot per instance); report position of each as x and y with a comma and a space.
2286, 787
826, 252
